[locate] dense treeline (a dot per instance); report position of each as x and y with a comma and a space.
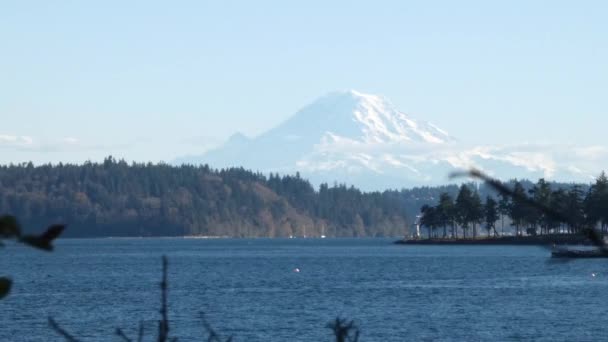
461, 215
115, 198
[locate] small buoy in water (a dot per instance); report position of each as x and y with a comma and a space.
593, 274
297, 270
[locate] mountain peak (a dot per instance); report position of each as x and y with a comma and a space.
351, 92
338, 132
363, 139
351, 95
363, 117
238, 137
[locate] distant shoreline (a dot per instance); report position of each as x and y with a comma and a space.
541, 240
214, 237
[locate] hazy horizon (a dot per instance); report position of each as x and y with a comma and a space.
146, 81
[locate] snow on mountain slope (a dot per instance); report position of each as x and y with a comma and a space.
339, 117
351, 137
354, 115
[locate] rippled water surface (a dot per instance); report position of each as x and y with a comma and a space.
248, 288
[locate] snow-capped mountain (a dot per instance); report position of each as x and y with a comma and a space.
356, 116
362, 139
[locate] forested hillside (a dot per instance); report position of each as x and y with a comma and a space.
114, 198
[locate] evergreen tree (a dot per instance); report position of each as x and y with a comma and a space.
573, 208
541, 194
559, 203
504, 208
462, 209
476, 213
446, 213
491, 215
518, 208
596, 202
430, 219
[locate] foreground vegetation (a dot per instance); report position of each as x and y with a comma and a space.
341, 329
10, 229
460, 217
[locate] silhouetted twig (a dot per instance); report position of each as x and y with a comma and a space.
344, 330
61, 331
45, 240
212, 335
122, 335
140, 334
163, 324
11, 229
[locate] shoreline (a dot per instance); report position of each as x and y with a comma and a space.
539, 240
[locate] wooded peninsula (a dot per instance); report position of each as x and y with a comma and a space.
527, 211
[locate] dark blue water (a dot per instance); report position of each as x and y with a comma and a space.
248, 289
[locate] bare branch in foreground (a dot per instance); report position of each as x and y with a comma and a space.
122, 335
61, 331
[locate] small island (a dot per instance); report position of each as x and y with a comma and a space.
538, 240
459, 221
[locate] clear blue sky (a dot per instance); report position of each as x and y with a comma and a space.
150, 80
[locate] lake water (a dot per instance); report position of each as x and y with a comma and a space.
248, 288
